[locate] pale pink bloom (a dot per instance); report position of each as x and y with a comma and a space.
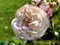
37, 1
31, 23
46, 8
58, 1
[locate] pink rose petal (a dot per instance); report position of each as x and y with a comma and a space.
37, 1
58, 1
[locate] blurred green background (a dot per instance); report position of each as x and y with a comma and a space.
7, 11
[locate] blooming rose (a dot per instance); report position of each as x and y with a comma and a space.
30, 22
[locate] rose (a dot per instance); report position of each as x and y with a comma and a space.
46, 7
30, 22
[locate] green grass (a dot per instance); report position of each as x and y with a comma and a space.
7, 11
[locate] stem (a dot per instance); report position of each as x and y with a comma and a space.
24, 42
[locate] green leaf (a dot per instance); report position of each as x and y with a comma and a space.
12, 43
15, 40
